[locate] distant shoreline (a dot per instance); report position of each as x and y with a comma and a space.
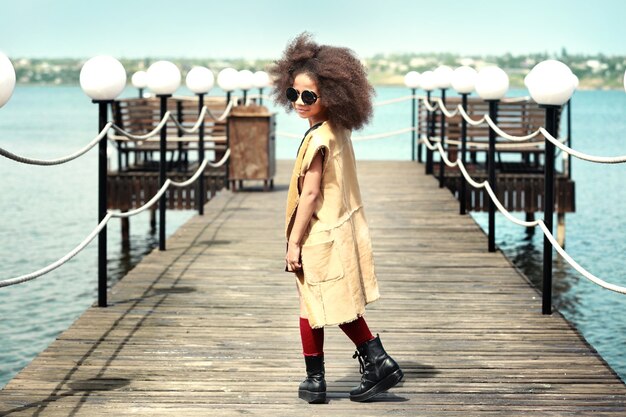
581, 87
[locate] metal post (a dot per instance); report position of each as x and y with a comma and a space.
442, 140
463, 191
140, 92
179, 117
227, 164
419, 144
201, 191
260, 96
102, 204
245, 96
491, 161
162, 172
569, 137
413, 124
430, 129
548, 209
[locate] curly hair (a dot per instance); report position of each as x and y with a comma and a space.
340, 77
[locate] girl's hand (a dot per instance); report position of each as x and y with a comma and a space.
293, 257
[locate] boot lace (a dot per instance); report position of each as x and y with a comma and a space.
361, 362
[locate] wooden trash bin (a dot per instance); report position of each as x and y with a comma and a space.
252, 143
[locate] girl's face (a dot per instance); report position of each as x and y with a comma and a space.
315, 112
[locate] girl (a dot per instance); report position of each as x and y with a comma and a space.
328, 243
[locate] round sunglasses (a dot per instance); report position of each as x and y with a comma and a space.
308, 97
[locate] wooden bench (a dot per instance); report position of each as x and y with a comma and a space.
141, 115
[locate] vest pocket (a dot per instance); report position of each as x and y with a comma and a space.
321, 263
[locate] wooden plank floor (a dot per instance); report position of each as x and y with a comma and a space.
209, 327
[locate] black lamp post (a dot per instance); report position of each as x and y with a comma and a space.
164, 80
443, 75
412, 81
102, 78
463, 190
492, 84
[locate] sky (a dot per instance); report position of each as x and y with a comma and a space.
261, 28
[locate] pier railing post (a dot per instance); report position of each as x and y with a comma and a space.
442, 138
430, 129
417, 130
463, 190
548, 209
162, 171
491, 167
201, 191
102, 203
569, 137
227, 164
413, 124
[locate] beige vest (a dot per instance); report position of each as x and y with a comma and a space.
337, 280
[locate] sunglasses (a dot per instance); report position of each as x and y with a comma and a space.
308, 97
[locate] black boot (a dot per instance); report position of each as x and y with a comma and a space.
313, 388
380, 371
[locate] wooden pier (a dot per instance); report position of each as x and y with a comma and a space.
210, 327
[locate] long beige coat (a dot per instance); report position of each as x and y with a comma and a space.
337, 280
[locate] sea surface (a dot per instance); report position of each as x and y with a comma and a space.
47, 211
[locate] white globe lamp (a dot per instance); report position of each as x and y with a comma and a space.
427, 81
7, 79
492, 83
261, 79
464, 79
228, 79
245, 79
103, 78
163, 78
139, 80
412, 79
443, 76
200, 80
551, 83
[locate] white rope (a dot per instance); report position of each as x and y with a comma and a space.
55, 265
393, 100
468, 119
197, 124
382, 135
428, 106
443, 108
540, 223
580, 155
221, 161
172, 139
226, 112
483, 145
48, 162
103, 223
154, 131
358, 138
505, 135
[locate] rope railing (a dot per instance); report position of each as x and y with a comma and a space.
148, 135
58, 161
196, 125
40, 272
224, 114
485, 184
393, 100
358, 138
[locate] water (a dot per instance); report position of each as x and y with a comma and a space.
46, 211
